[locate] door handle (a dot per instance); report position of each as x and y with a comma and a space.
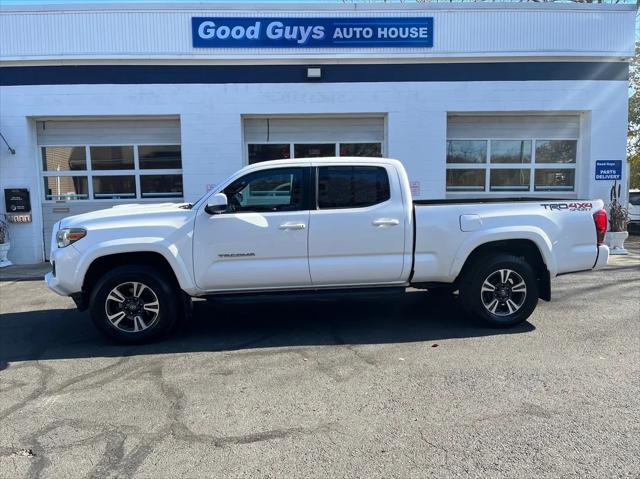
386, 222
292, 226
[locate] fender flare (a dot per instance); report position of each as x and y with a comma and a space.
136, 245
481, 237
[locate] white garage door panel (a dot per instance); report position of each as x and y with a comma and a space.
332, 130
514, 126
54, 212
111, 132
98, 132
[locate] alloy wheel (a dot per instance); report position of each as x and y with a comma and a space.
132, 307
503, 292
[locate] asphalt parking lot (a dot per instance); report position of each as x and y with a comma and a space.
334, 387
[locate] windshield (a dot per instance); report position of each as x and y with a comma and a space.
634, 198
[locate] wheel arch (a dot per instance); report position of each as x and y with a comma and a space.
525, 248
100, 265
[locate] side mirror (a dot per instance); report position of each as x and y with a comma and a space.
217, 204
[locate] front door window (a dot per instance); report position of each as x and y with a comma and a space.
279, 189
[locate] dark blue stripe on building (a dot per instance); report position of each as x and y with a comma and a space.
430, 72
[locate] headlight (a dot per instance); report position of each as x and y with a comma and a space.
67, 236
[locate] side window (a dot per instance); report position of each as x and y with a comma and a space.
278, 189
352, 186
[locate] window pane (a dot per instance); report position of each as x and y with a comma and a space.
352, 186
161, 186
314, 150
361, 149
160, 157
466, 151
270, 190
258, 153
60, 188
64, 158
510, 151
114, 187
465, 180
556, 151
555, 180
510, 180
111, 157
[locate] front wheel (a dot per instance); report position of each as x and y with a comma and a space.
502, 291
133, 304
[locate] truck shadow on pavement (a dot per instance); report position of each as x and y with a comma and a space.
236, 324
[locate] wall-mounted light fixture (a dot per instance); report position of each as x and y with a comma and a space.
314, 73
13, 152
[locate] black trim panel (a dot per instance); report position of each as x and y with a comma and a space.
367, 73
515, 199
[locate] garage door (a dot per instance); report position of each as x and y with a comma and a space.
305, 137
512, 154
91, 165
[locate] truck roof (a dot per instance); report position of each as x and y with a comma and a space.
327, 159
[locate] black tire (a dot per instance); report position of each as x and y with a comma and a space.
479, 302
158, 289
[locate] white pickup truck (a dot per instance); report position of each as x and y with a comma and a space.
319, 225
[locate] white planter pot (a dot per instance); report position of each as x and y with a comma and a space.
615, 241
4, 249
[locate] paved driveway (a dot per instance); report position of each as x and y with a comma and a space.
372, 387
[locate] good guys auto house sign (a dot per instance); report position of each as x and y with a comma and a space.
286, 32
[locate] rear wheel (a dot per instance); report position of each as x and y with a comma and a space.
134, 304
501, 291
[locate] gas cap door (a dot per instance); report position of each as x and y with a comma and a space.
470, 222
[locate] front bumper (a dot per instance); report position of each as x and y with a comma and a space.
57, 286
603, 257
65, 281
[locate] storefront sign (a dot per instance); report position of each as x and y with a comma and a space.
608, 169
17, 204
233, 32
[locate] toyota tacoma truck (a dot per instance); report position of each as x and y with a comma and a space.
319, 225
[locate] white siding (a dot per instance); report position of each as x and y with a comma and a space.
460, 30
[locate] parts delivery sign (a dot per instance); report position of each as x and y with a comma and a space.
227, 32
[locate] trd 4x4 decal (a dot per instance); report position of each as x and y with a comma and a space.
567, 206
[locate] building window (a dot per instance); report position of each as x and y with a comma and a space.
164, 157
64, 158
258, 152
372, 150
114, 172
511, 165
466, 151
66, 188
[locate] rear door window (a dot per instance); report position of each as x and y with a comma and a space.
352, 186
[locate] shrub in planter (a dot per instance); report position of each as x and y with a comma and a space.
618, 220
4, 242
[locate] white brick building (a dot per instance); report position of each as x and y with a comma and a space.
112, 103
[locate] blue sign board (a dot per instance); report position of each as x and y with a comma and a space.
608, 169
286, 32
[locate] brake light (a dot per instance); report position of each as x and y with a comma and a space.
600, 219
